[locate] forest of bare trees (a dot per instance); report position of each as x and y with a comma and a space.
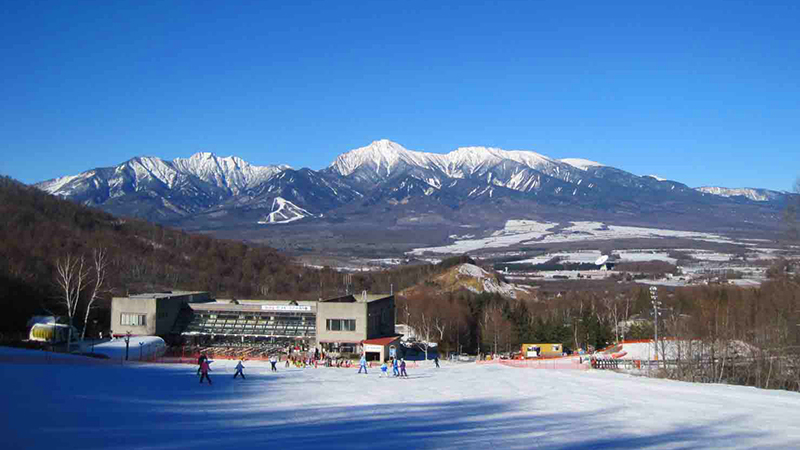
738, 335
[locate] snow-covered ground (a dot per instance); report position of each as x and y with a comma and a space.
518, 232
460, 406
488, 283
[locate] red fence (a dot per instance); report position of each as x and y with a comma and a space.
569, 363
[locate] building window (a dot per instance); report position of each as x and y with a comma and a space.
135, 320
340, 325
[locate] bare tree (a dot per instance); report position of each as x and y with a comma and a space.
490, 325
100, 261
440, 325
424, 326
71, 275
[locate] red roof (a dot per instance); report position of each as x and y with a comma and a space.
381, 341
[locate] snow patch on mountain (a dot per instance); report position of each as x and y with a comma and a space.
759, 195
582, 164
284, 211
488, 282
56, 186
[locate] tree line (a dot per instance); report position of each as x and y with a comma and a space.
740, 335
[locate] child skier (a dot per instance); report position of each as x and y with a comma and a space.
403, 373
204, 368
395, 368
363, 364
200, 362
384, 370
273, 360
239, 368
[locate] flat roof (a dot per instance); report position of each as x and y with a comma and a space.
308, 307
357, 298
149, 295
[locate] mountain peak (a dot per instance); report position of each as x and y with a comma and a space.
383, 154
202, 156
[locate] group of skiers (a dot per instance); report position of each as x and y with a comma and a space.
398, 367
204, 367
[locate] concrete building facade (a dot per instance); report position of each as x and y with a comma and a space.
344, 323
337, 325
150, 314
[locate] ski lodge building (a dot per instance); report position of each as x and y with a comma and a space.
346, 324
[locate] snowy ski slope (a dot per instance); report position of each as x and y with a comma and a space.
468, 406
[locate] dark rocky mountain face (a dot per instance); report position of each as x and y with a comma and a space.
384, 185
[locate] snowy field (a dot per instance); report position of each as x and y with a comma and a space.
518, 232
71, 405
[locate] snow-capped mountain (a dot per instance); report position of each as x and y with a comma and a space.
231, 172
518, 170
387, 183
758, 195
157, 189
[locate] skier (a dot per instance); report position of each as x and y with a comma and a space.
403, 373
239, 368
436, 360
273, 360
204, 368
363, 364
200, 361
395, 368
384, 369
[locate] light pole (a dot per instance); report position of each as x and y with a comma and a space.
127, 343
95, 328
656, 304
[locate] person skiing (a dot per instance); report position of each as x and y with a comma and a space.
363, 364
436, 360
273, 360
239, 368
200, 361
204, 368
395, 368
384, 370
403, 373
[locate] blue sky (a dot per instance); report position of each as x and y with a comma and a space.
705, 93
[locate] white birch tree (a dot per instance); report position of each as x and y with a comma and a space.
100, 261
71, 275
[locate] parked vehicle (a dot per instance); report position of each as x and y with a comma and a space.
52, 332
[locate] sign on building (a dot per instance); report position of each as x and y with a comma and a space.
285, 308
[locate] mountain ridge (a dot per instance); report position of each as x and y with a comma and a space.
386, 183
